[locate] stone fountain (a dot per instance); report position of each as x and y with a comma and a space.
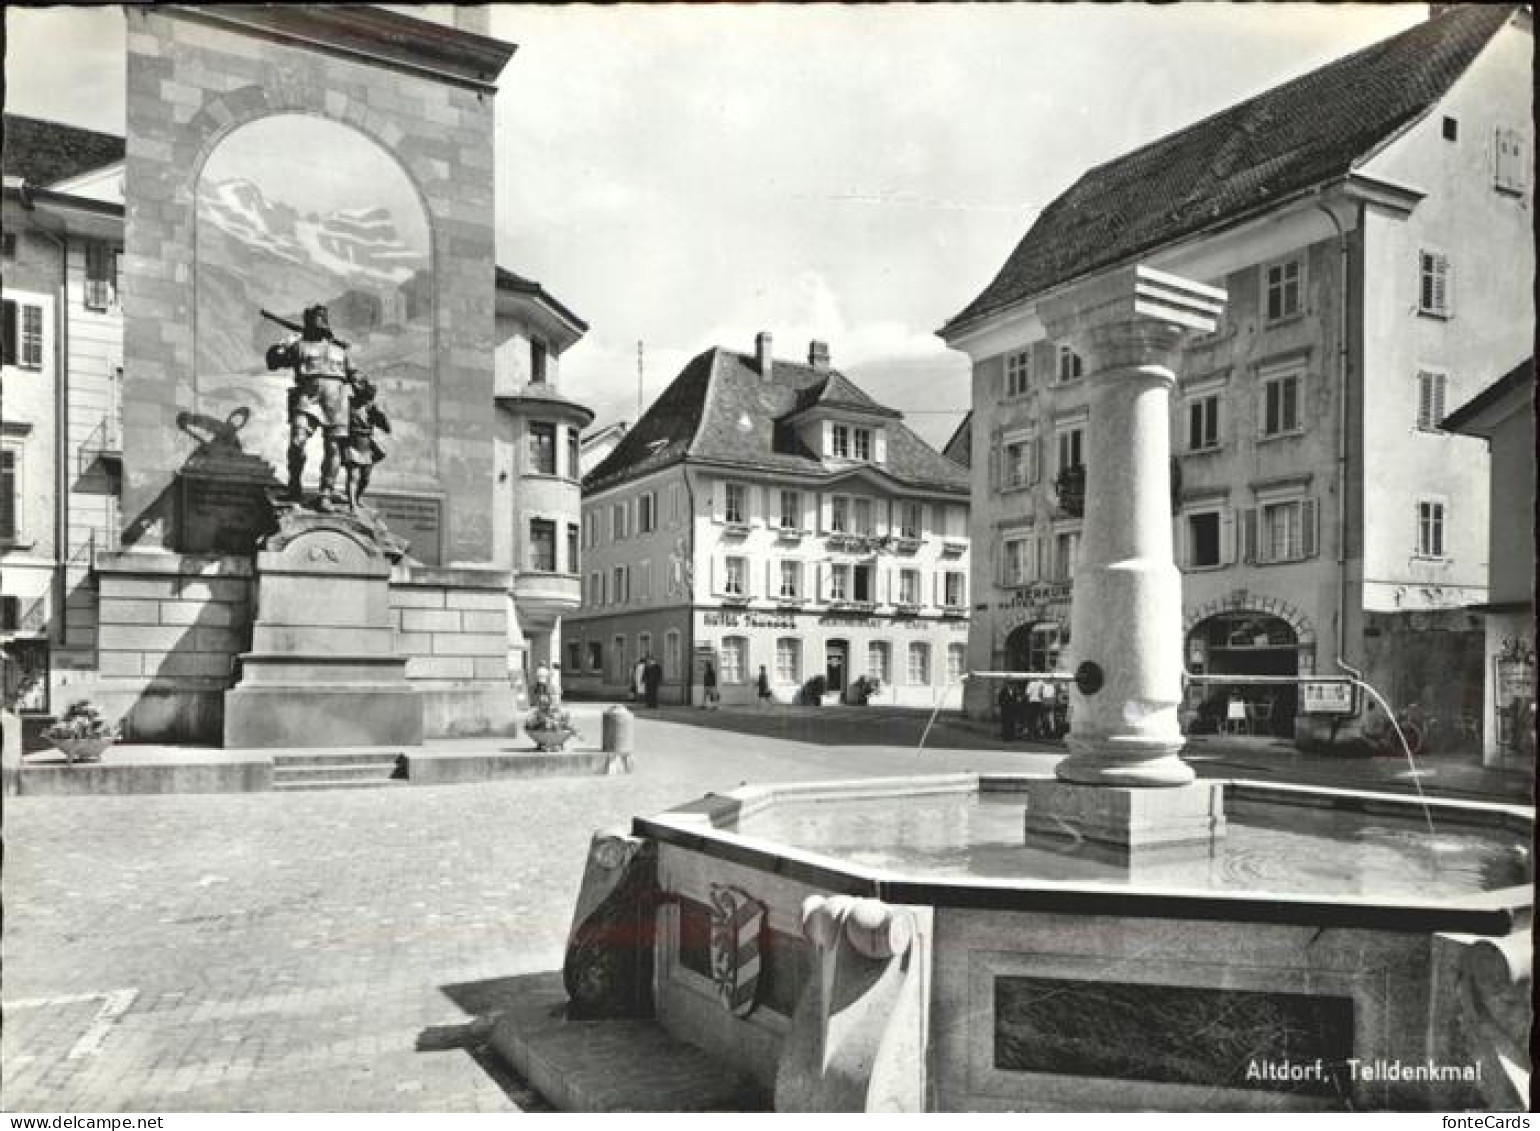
1116, 936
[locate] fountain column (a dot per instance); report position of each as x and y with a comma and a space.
1124, 780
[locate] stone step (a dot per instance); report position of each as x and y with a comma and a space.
335, 783
362, 756
360, 771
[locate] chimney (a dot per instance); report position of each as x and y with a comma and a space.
818, 356
762, 342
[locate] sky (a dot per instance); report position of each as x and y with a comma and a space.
686, 176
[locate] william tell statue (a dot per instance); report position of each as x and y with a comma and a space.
319, 398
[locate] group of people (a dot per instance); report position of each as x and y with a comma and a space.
1034, 709
646, 678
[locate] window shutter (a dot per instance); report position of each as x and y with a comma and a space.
937, 597
819, 572
718, 495
996, 451
1424, 399
1249, 534
772, 582
1039, 566
1226, 536
1439, 383
1309, 532
718, 567
1441, 288
1035, 460
880, 445
825, 511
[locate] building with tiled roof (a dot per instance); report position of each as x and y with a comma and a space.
1371, 225
770, 514
45, 154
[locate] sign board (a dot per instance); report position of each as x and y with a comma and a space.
1326, 698
418, 519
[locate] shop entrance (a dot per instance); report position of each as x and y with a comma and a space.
836, 661
1241, 643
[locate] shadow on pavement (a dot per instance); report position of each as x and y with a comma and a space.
485, 1002
843, 726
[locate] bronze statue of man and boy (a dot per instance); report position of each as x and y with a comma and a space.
328, 396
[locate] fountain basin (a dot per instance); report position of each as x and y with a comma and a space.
897, 944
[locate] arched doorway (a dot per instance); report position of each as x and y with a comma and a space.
1034, 647
1244, 643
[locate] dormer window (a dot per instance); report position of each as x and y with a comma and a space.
863, 443
839, 441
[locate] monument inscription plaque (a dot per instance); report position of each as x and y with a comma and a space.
217, 515
418, 519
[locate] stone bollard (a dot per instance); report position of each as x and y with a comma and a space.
619, 728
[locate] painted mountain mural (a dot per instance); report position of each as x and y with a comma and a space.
256, 252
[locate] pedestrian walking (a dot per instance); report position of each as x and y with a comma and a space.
764, 686
652, 679
709, 682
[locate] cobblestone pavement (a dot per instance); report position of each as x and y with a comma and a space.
322, 951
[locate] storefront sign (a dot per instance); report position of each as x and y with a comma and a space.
1326, 698
1030, 595
748, 620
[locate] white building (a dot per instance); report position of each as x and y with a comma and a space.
766, 514
1371, 223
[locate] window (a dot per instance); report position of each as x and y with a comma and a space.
956, 663
909, 587
1070, 443
1286, 531
1066, 549
909, 520
574, 454
788, 660
879, 661
1203, 540
101, 289
1203, 423
790, 586
1434, 285
1452, 129
919, 664
1043, 645
1430, 399
10, 495
863, 516
573, 561
644, 579
861, 587
644, 646
617, 521
542, 545
542, 448
622, 672
537, 355
734, 577
646, 513
956, 591
574, 656
791, 510
23, 343
671, 654
839, 515
1284, 288
1020, 461
1018, 561
1071, 365
863, 443
1280, 405
595, 656
593, 596
1511, 169
735, 659
839, 441
735, 507
620, 585
1430, 529
839, 582
1018, 373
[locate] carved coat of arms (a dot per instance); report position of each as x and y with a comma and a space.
736, 921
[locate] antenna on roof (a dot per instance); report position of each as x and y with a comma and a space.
639, 379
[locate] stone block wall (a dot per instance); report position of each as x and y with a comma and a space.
170, 631
192, 80
452, 624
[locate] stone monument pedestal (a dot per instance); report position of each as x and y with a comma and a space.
321, 670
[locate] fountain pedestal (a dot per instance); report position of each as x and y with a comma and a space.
1124, 781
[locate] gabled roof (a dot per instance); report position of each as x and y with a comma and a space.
44, 153
1516, 386
835, 391
1242, 160
719, 410
518, 284
959, 448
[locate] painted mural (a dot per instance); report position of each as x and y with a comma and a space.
294, 210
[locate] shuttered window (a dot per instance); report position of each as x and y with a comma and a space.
1435, 289
1430, 528
1431, 386
1511, 163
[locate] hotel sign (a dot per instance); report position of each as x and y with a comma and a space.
1326, 698
749, 620
1033, 595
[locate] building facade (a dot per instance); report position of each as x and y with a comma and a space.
1370, 225
1503, 415
142, 429
768, 515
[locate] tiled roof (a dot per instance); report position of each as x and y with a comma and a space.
720, 410
1520, 380
836, 391
549, 394
45, 153
518, 284
1242, 159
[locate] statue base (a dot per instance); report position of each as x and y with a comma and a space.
322, 670
1126, 817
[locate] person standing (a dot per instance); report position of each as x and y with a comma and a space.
764, 686
1008, 711
652, 679
638, 679
1032, 709
709, 682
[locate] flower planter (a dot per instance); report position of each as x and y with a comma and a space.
81, 749
547, 739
